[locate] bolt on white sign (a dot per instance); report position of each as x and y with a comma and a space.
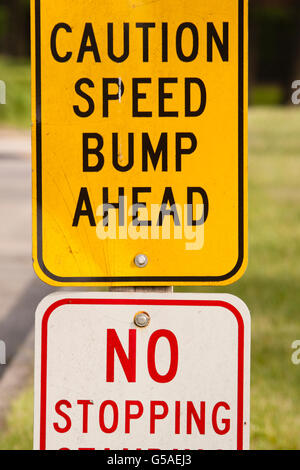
107, 379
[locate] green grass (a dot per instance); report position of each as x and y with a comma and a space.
16, 75
19, 432
270, 287
267, 95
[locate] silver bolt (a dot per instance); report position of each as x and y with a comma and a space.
141, 261
142, 319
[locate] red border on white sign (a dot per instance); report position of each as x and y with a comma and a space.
169, 302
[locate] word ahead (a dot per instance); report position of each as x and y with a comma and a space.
182, 382
140, 141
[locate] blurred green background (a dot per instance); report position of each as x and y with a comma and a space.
271, 285
274, 53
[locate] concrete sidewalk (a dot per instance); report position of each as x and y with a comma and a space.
14, 142
15, 216
20, 290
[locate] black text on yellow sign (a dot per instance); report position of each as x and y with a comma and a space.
139, 130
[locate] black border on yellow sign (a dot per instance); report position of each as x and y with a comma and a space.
241, 182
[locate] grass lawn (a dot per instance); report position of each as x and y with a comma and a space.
18, 435
270, 287
16, 75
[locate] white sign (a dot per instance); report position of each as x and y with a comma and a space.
181, 382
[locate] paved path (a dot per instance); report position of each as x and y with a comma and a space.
20, 290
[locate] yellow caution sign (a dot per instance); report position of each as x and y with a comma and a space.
139, 141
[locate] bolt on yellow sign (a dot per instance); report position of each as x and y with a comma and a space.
139, 141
